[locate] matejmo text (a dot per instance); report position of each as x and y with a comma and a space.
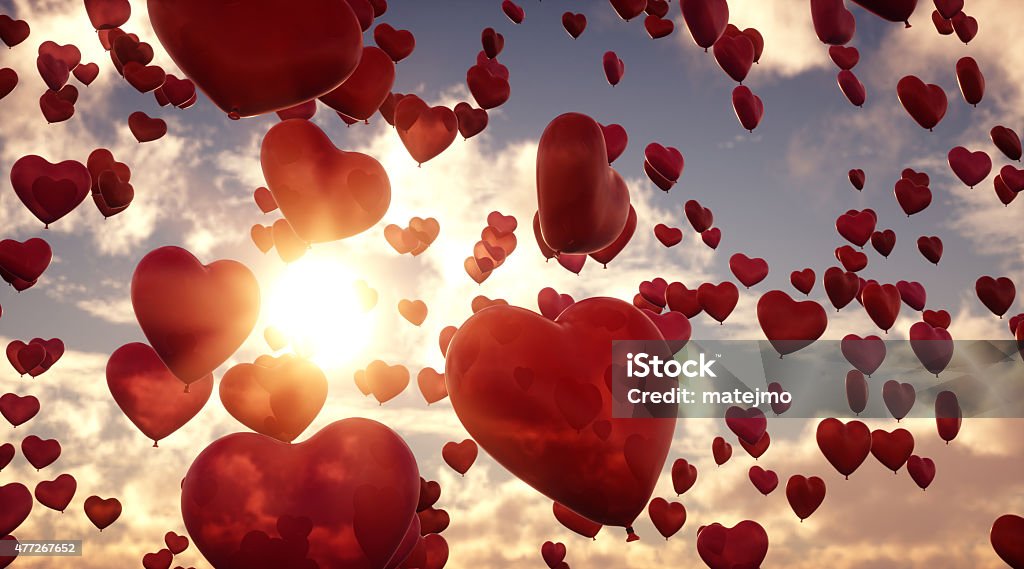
646, 365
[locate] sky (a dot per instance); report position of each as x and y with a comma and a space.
775, 194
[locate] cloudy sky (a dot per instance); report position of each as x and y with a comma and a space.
775, 194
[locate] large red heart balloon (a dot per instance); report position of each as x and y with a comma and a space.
718, 301
845, 445
684, 475
882, 303
195, 316
833, 23
856, 226
743, 545
365, 90
788, 324
892, 449
748, 271
424, 130
892, 10
18, 409
706, 20
50, 191
149, 394
932, 345
996, 294
922, 470
866, 354
582, 202
970, 79
25, 260
15, 506
735, 55
354, 487
39, 452
764, 480
805, 494
325, 193
56, 494
971, 167
926, 103
748, 107
279, 401
1007, 537
102, 511
261, 57
535, 395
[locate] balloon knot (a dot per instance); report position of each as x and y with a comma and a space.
631, 535
155, 445
907, 22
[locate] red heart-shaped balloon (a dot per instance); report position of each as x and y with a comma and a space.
844, 445
263, 58
1006, 539
365, 90
195, 316
583, 203
398, 44
25, 260
748, 271
866, 354
997, 294
922, 470
425, 131
718, 301
279, 401
748, 107
40, 453
892, 10
735, 55
18, 409
932, 345
352, 488
788, 324
899, 398
926, 103
56, 494
743, 545
15, 506
971, 167
149, 394
50, 191
892, 449
803, 280
882, 303
102, 511
668, 517
833, 23
509, 381
325, 193
805, 494
766, 481
706, 20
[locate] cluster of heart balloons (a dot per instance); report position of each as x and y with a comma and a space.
531, 388
16, 500
497, 242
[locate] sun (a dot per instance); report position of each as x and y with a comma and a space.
320, 306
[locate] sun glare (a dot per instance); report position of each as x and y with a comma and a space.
316, 304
